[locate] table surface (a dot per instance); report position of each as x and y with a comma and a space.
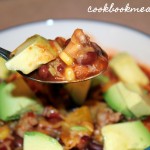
16, 12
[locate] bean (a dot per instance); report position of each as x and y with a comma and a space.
61, 41
83, 143
87, 58
67, 42
52, 114
3, 147
60, 68
97, 48
18, 141
43, 71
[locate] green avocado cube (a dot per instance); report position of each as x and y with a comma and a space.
115, 100
127, 69
40, 141
126, 136
129, 99
11, 107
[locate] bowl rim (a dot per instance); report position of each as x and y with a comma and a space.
84, 20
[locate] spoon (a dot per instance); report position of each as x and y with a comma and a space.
6, 55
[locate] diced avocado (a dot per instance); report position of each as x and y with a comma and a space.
39, 141
128, 70
78, 91
101, 79
34, 52
113, 97
134, 88
4, 72
11, 107
128, 99
137, 103
126, 136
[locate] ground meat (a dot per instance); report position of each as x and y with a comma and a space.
49, 122
107, 117
7, 144
26, 123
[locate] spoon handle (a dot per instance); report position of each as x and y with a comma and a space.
4, 53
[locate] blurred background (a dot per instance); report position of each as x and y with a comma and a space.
16, 12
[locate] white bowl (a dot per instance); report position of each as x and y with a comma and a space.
109, 36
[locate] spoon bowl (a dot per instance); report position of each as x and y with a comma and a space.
59, 81
6, 55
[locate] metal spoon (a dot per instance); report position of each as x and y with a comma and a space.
6, 55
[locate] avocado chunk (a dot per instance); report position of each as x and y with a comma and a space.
4, 72
127, 69
39, 141
78, 91
113, 97
126, 136
137, 101
31, 54
11, 107
128, 99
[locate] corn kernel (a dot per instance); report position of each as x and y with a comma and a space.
58, 48
69, 74
66, 58
4, 132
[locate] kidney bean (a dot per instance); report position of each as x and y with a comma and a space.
83, 143
3, 148
18, 141
87, 58
7, 144
67, 42
61, 68
97, 48
52, 114
43, 71
61, 41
